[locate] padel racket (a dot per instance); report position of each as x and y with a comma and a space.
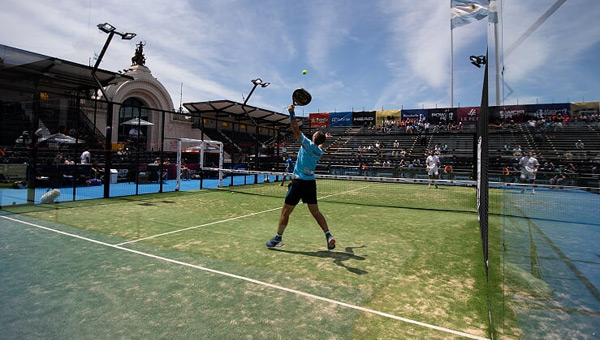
301, 97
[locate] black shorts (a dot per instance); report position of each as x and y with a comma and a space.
301, 189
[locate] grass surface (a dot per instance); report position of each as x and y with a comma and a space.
424, 265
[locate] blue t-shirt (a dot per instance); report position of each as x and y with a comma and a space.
308, 156
289, 165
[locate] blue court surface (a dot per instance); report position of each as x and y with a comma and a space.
19, 196
551, 261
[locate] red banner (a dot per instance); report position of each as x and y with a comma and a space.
319, 120
467, 115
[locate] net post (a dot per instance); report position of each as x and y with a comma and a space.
482, 170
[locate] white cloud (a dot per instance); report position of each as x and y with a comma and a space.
548, 65
386, 53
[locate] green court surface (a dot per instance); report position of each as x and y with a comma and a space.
193, 265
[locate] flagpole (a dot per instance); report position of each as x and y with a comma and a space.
497, 56
451, 67
494, 17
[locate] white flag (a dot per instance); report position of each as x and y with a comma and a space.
493, 11
463, 12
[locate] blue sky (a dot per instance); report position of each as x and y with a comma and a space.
371, 55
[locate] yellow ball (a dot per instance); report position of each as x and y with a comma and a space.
304, 71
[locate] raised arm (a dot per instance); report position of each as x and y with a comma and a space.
293, 123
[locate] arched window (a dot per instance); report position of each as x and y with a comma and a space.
130, 109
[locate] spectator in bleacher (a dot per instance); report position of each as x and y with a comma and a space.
548, 166
568, 155
570, 168
496, 125
579, 145
58, 159
164, 174
514, 169
396, 145
185, 172
505, 173
97, 172
283, 150
557, 179
512, 125
402, 163
517, 151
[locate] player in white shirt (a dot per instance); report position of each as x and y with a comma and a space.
529, 166
86, 157
433, 167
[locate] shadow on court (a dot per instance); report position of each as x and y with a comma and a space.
338, 257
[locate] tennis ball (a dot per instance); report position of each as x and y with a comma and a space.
304, 71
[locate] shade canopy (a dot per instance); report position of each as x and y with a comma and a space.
26, 70
137, 122
61, 138
234, 112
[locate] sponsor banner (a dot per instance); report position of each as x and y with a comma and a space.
584, 108
442, 116
382, 115
506, 114
467, 115
318, 120
363, 117
538, 111
417, 115
340, 118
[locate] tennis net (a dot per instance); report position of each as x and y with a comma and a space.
412, 193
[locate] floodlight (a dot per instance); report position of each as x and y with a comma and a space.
127, 36
478, 60
106, 27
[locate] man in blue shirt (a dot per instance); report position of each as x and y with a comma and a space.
303, 184
289, 169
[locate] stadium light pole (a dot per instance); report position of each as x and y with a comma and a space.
111, 31
256, 82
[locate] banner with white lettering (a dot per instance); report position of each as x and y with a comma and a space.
318, 120
467, 115
340, 118
363, 117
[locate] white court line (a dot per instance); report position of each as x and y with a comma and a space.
257, 282
197, 226
221, 221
